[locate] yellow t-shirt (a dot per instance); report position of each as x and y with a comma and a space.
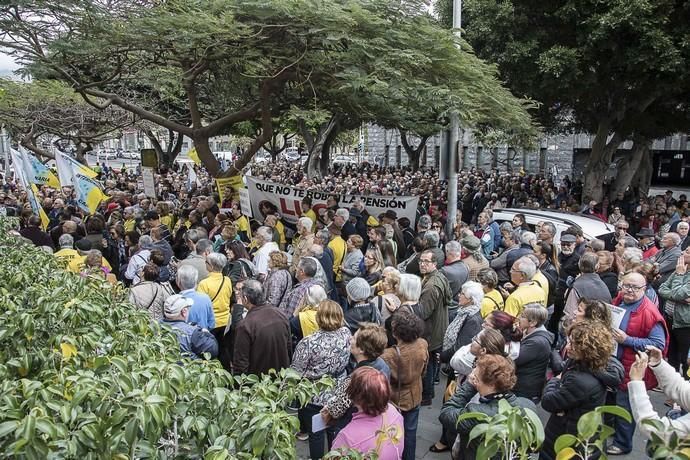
66, 256
493, 300
312, 215
280, 228
129, 225
219, 289
242, 224
525, 293
307, 321
77, 264
542, 282
167, 221
339, 249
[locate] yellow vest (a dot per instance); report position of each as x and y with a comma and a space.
219, 289
66, 256
524, 294
339, 249
493, 300
77, 264
307, 321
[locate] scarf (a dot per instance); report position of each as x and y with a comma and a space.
457, 323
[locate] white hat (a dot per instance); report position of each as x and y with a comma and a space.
174, 304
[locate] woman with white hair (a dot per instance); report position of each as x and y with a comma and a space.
219, 288
408, 291
467, 322
303, 323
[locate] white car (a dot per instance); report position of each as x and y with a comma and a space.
591, 226
343, 160
131, 155
291, 154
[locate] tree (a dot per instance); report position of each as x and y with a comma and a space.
234, 61
50, 111
600, 67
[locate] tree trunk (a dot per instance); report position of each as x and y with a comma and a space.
630, 165
643, 176
203, 149
494, 159
413, 153
599, 162
315, 145
81, 150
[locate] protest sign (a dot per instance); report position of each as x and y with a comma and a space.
235, 182
288, 200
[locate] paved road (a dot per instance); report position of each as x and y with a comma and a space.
429, 430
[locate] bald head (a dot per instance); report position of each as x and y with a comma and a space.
633, 287
69, 226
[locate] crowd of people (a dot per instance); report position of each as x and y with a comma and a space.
387, 306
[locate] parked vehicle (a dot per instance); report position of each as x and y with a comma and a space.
591, 226
342, 159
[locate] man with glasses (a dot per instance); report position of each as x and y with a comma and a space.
620, 234
433, 309
642, 325
525, 290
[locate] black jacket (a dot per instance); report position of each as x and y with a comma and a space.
531, 364
460, 404
577, 392
470, 328
610, 279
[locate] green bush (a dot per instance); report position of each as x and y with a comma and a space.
85, 374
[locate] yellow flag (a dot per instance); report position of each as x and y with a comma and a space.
45, 221
194, 156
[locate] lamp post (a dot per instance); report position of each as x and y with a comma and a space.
453, 144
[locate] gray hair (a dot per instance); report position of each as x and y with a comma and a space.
473, 291
526, 266
145, 242
535, 312
424, 222
588, 262
66, 241
344, 213
265, 233
316, 250
323, 235
432, 239
453, 248
315, 295
253, 292
674, 236
306, 222
632, 255
187, 277
308, 265
409, 287
550, 227
683, 224
597, 245
204, 246
192, 235
506, 227
528, 238
216, 261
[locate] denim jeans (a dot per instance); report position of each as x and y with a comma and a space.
623, 437
410, 419
431, 371
316, 446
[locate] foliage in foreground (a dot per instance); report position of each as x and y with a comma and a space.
85, 374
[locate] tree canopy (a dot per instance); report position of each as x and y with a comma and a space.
232, 61
609, 68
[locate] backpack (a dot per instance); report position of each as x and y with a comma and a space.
248, 269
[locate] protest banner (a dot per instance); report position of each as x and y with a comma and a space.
234, 181
288, 200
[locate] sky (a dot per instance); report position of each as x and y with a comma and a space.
7, 65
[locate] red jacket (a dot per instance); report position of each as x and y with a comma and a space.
640, 324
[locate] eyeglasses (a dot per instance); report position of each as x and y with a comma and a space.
622, 228
371, 257
425, 261
631, 287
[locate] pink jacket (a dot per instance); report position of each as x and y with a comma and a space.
383, 434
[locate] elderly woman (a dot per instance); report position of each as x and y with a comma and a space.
377, 425
387, 301
493, 300
303, 323
407, 361
360, 309
148, 294
353, 257
493, 378
582, 385
219, 288
535, 351
325, 352
279, 281
466, 324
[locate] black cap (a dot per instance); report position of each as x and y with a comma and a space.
646, 233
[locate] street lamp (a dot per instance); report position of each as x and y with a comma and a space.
453, 143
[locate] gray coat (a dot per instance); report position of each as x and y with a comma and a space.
457, 274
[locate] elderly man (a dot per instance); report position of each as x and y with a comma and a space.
472, 255
130, 221
621, 233
67, 253
34, 233
526, 290
667, 258
303, 242
305, 274
194, 340
455, 270
433, 309
642, 325
547, 232
342, 221
527, 241
197, 258
218, 288
266, 245
646, 238
682, 230
262, 338
139, 257
586, 286
201, 309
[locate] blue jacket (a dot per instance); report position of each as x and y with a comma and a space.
194, 341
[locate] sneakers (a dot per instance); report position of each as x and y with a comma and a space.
301, 436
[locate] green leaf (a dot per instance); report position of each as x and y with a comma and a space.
563, 441
616, 410
566, 454
8, 427
258, 442
588, 424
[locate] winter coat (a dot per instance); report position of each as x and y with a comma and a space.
531, 364
460, 404
407, 370
150, 296
610, 279
577, 392
433, 308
